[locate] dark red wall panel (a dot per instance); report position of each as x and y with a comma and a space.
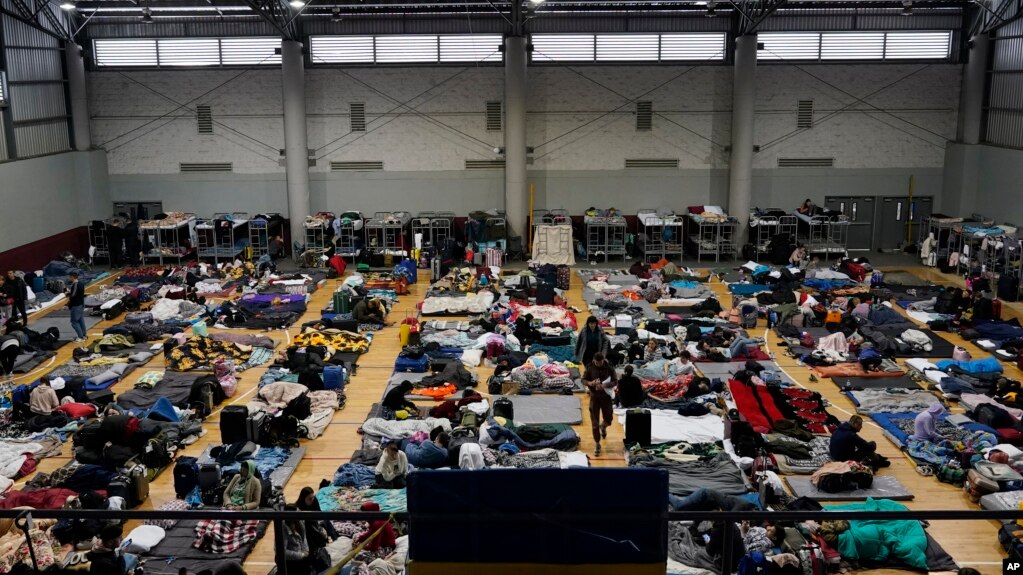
34, 256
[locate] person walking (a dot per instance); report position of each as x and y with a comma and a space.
18, 291
76, 303
600, 380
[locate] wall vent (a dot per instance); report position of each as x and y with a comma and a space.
206, 167
357, 116
644, 116
356, 166
804, 114
806, 162
494, 117
204, 119
484, 164
650, 163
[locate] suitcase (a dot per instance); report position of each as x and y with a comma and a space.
503, 407
435, 264
186, 476
112, 309
209, 476
232, 424
996, 309
334, 377
477, 259
659, 326
403, 331
342, 302
637, 426
564, 277
493, 257
121, 487
138, 484
545, 294
414, 335
493, 385
255, 425
101, 398
413, 365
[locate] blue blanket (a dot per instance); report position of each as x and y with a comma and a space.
747, 289
987, 365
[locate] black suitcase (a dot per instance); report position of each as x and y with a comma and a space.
101, 398
503, 407
545, 294
345, 325
494, 385
233, 424
659, 326
256, 426
186, 476
113, 311
553, 340
121, 487
209, 476
637, 426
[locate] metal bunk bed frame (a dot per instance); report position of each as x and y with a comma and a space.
606, 236
434, 226
654, 246
98, 239
173, 230
387, 237
348, 244
259, 236
827, 236
211, 245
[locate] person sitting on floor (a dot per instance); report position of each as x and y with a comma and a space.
43, 399
652, 351
392, 467
395, 399
318, 533
107, 557
798, 257
630, 390
762, 539
681, 364
870, 359
847, 445
525, 332
430, 454
370, 311
924, 426
380, 534
245, 490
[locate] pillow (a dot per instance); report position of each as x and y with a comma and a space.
1010, 434
714, 210
472, 357
140, 357
695, 210
119, 368
103, 378
143, 538
78, 410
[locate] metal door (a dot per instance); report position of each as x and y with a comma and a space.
901, 220
860, 210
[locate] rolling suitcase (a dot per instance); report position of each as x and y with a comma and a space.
342, 302
503, 407
138, 484
564, 277
209, 476
255, 426
232, 424
545, 294
334, 377
637, 426
435, 264
186, 476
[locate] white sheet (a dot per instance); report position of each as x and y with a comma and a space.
927, 368
972, 400
668, 426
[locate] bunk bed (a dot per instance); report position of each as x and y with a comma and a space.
433, 227
711, 232
824, 232
170, 238
765, 225
386, 234
941, 227
662, 234
348, 235
225, 236
319, 236
605, 234
98, 240
262, 227
970, 240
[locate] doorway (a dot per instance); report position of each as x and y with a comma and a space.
860, 210
900, 219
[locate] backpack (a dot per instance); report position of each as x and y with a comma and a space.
299, 408
754, 564
186, 475
283, 431
693, 332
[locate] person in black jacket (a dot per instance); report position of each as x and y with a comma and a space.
107, 557
395, 399
76, 303
847, 445
17, 290
630, 390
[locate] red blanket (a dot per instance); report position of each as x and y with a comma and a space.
757, 354
745, 397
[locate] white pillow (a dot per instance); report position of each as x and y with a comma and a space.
143, 538
472, 357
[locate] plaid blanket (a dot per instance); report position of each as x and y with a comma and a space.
224, 536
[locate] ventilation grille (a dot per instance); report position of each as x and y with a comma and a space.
356, 166
484, 164
804, 114
206, 167
806, 162
648, 163
494, 113
204, 119
644, 116
357, 115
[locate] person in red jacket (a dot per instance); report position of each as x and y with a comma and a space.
385, 539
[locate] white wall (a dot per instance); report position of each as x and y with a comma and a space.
988, 179
580, 122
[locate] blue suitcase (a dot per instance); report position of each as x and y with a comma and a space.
417, 365
334, 377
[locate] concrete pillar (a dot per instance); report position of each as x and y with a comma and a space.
79, 100
971, 109
740, 167
515, 193
296, 145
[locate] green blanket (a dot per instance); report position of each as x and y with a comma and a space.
881, 541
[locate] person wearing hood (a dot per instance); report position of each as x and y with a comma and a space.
870, 359
385, 539
107, 557
925, 423
245, 490
395, 398
592, 340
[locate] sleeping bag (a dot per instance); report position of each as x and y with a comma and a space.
877, 542
988, 365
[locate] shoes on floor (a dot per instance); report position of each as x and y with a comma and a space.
596, 452
79, 339
603, 430
813, 378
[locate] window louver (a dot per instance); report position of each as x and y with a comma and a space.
206, 167
474, 48
484, 164
651, 163
806, 162
204, 119
357, 116
494, 117
644, 116
356, 166
342, 49
250, 51
804, 114
3, 88
189, 52
126, 53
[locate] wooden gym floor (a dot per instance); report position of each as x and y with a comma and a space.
971, 543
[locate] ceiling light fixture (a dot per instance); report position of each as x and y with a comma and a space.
297, 4
67, 5
536, 1
147, 16
907, 8
711, 5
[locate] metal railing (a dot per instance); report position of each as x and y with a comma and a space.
277, 518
